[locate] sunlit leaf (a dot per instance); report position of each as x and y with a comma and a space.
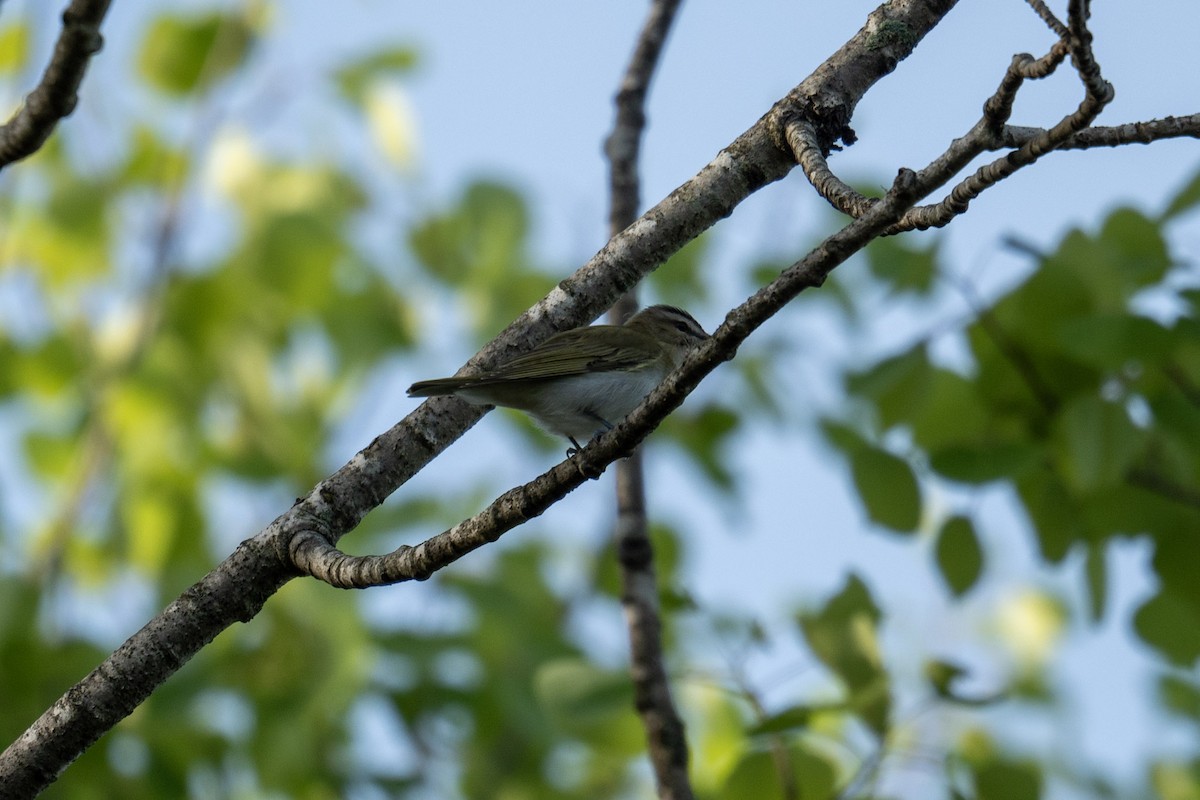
14, 46
843, 635
354, 78
183, 54
796, 717
392, 121
152, 160
757, 774
50, 454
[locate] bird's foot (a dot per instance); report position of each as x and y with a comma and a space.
572, 452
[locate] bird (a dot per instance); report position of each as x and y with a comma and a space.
579, 382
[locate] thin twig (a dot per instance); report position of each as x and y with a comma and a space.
1098, 94
1111, 136
665, 736
986, 134
58, 92
1048, 17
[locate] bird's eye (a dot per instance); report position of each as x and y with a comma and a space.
682, 327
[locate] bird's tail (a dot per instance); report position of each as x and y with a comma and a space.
438, 386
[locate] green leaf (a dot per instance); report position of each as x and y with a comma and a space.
1172, 626
1137, 253
1111, 341
184, 54
479, 247
959, 555
1007, 780
1096, 572
1184, 200
897, 263
841, 436
757, 775
796, 717
954, 412
704, 435
888, 488
942, 677
14, 47
899, 386
1054, 511
1096, 443
1180, 695
844, 636
50, 454
680, 281
354, 78
580, 693
983, 461
152, 161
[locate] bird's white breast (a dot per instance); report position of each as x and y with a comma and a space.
580, 405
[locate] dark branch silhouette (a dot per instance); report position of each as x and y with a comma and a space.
57, 93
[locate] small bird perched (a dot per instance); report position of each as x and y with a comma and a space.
579, 382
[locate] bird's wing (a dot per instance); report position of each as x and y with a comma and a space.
576, 352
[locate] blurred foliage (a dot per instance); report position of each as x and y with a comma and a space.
144, 379
1082, 396
182, 55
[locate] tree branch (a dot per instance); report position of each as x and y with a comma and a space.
1097, 94
992, 132
666, 740
58, 92
1128, 133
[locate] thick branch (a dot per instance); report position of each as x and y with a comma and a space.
58, 92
